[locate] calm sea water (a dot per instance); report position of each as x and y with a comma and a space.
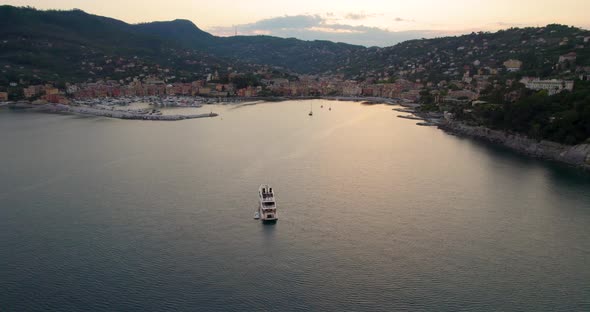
376, 214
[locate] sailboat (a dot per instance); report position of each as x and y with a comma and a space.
311, 109
330, 106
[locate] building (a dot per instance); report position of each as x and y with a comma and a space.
33, 91
553, 86
570, 57
72, 89
247, 92
513, 65
3, 96
204, 91
367, 92
55, 98
50, 90
463, 95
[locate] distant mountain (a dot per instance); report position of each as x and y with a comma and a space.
184, 32
74, 46
56, 44
297, 55
292, 54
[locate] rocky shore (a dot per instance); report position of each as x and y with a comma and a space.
576, 155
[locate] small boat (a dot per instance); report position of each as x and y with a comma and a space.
267, 208
256, 215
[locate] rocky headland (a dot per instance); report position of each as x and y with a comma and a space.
576, 155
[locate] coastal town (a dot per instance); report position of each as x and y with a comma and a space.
533, 81
473, 81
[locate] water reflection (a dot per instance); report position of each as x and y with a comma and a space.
557, 173
377, 214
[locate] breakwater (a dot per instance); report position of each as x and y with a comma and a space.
133, 115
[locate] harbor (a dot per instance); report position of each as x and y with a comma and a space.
132, 114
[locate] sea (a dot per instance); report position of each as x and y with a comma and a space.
375, 214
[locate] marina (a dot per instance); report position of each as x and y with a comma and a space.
110, 112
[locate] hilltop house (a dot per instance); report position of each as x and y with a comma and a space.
570, 57
513, 65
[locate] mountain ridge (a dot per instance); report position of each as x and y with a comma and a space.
57, 42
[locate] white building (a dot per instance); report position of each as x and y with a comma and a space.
553, 86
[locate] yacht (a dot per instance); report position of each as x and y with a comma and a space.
268, 207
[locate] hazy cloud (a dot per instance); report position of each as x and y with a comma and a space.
358, 16
505, 24
399, 19
316, 27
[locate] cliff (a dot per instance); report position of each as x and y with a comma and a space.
577, 155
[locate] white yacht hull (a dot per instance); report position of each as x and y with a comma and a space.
268, 216
267, 208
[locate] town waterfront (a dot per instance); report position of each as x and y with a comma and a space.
376, 214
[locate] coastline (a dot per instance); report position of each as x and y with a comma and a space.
368, 100
574, 155
91, 110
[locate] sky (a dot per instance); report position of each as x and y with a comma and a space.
366, 22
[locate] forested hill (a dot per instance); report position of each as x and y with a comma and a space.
445, 58
57, 44
53, 45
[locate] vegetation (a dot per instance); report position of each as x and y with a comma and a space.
564, 117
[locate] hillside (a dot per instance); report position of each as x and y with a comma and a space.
292, 54
449, 57
75, 46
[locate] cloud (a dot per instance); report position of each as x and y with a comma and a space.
399, 19
358, 16
316, 27
286, 22
505, 24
